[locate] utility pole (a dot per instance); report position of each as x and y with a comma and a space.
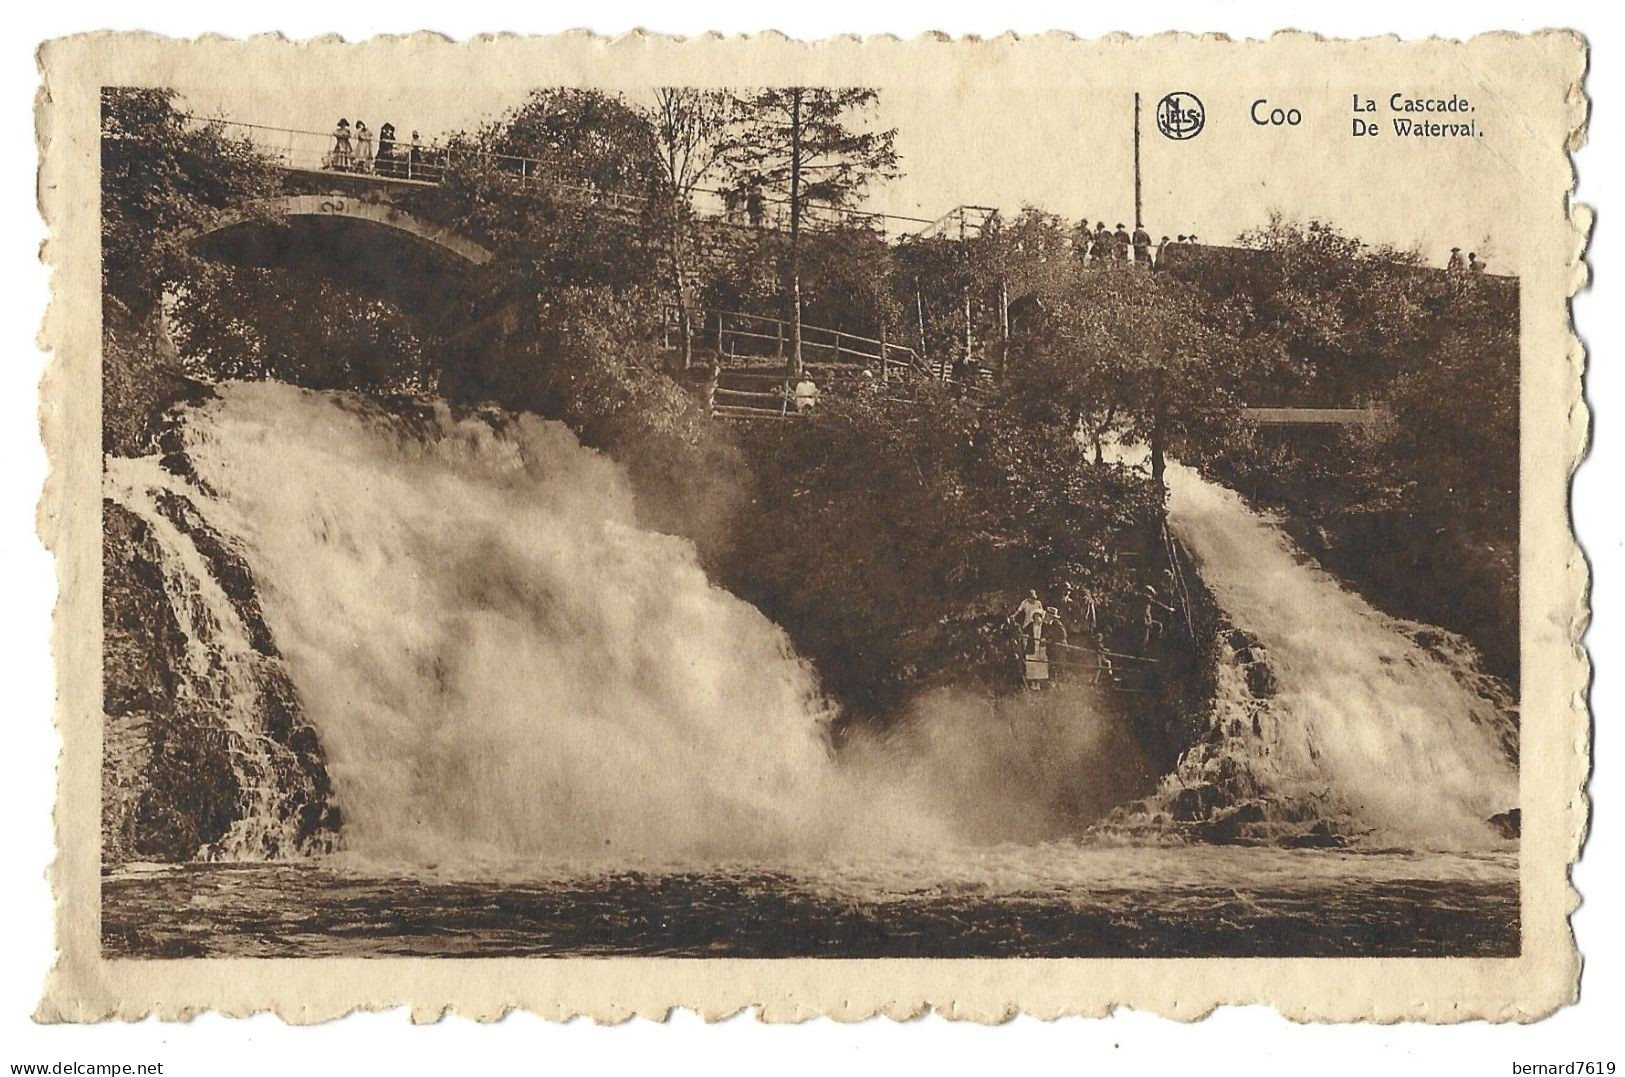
1004, 326
1139, 222
964, 256
919, 312
795, 229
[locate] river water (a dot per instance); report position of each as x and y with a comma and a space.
548, 733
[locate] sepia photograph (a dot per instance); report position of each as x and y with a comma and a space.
615, 526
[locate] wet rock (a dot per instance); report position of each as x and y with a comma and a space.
168, 786
1241, 640
1261, 680
1231, 825
1194, 803
172, 784
1508, 824
1319, 836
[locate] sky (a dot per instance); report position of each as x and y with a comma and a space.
1008, 137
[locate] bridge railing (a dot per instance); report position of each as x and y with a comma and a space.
420, 162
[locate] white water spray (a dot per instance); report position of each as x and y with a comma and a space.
1407, 740
500, 663
218, 670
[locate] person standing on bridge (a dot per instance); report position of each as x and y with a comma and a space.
1155, 607
1079, 606
386, 150
340, 159
1030, 607
1034, 654
363, 147
414, 158
1102, 248
1142, 246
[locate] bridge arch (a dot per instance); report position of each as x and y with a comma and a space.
347, 207
374, 246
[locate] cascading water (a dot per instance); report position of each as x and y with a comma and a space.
500, 663
1382, 723
549, 733
221, 672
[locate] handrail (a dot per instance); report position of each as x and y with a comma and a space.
713, 323
1171, 548
528, 167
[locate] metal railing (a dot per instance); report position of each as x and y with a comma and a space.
411, 160
960, 223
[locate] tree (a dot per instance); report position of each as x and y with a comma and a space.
1338, 307
1031, 252
296, 326
815, 146
1138, 356
163, 177
694, 130
566, 188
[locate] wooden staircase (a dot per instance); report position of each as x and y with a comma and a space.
746, 394
751, 355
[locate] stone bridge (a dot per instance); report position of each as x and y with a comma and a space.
367, 241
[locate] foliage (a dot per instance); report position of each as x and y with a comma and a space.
140, 383
566, 189
233, 322
1342, 312
892, 537
811, 145
162, 177
694, 130
929, 278
816, 146
1135, 356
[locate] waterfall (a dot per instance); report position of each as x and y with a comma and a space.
500, 663
502, 667
1382, 721
226, 720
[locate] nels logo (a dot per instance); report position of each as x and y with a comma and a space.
1180, 115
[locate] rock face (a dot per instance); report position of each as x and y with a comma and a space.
206, 753
1508, 824
1216, 793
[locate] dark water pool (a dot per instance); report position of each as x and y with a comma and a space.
1069, 903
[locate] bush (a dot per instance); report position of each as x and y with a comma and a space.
891, 538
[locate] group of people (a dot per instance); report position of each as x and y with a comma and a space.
1038, 627
1120, 245
1471, 264
354, 150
